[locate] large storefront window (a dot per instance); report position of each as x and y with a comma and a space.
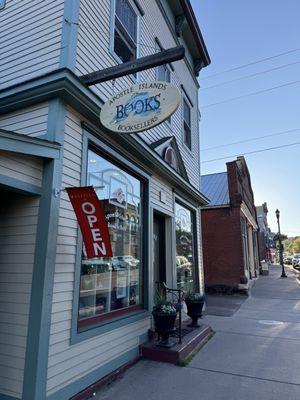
112, 286
185, 259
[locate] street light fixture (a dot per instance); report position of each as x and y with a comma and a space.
283, 274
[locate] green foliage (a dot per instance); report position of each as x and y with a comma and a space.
295, 245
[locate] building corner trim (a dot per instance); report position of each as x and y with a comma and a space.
70, 26
36, 358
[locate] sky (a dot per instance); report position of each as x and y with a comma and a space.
236, 33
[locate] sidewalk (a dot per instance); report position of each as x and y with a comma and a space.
254, 354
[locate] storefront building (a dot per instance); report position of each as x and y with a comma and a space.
264, 240
229, 229
66, 320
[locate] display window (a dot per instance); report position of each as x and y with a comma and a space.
185, 257
112, 286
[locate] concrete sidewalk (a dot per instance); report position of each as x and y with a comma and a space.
253, 355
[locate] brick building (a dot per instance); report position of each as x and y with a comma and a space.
229, 228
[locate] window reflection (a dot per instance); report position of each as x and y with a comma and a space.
113, 283
185, 263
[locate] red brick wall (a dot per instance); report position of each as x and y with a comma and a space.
261, 246
222, 246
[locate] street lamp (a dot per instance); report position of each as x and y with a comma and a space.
283, 274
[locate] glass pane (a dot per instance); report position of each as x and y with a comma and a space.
123, 49
163, 73
114, 283
187, 136
186, 113
185, 262
127, 17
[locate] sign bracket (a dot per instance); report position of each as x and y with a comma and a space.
131, 67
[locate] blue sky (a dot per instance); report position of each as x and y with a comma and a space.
241, 32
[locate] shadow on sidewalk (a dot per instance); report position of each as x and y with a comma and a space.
223, 305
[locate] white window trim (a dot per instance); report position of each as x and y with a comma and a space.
112, 32
185, 98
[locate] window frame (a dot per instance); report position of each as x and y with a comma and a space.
195, 216
94, 325
184, 123
168, 68
112, 33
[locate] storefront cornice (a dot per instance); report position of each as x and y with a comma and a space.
19, 143
67, 86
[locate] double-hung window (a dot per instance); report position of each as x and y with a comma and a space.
187, 133
163, 72
125, 31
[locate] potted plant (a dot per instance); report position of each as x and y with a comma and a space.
194, 303
164, 315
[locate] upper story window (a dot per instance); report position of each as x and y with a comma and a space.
187, 133
163, 73
125, 31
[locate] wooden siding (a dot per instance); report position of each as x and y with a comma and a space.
93, 54
29, 121
25, 168
156, 187
30, 39
69, 362
18, 222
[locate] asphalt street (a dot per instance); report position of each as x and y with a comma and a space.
254, 354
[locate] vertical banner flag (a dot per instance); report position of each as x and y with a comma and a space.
91, 219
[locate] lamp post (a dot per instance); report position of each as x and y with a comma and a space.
283, 274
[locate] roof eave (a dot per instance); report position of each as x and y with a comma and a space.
195, 30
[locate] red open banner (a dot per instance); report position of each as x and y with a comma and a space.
91, 219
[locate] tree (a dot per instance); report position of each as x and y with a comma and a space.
295, 245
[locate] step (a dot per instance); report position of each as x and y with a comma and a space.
190, 342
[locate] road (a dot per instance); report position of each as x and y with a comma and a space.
254, 353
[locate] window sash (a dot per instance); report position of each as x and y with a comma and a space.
187, 124
126, 40
127, 18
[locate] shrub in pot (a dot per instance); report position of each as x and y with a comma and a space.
164, 315
194, 303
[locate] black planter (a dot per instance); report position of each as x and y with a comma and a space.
194, 311
164, 326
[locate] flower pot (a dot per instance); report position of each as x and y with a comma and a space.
164, 326
194, 311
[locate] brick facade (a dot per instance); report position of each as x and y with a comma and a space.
229, 232
222, 247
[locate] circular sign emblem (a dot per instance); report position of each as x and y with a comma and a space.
140, 107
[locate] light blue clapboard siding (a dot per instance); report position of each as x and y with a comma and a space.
30, 121
25, 168
30, 39
156, 187
93, 54
69, 362
18, 221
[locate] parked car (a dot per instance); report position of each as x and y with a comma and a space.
124, 262
296, 259
288, 260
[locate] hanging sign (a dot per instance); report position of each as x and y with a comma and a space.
140, 107
91, 219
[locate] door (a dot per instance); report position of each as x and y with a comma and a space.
159, 249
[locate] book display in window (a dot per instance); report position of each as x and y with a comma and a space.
114, 283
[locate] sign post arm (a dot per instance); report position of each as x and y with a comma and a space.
131, 67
